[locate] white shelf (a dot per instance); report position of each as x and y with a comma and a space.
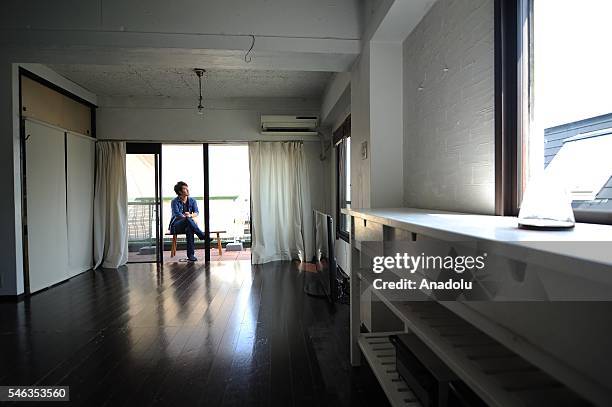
380, 354
499, 376
571, 251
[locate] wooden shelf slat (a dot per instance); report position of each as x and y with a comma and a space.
380, 354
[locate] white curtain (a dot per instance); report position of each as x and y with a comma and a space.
281, 208
110, 206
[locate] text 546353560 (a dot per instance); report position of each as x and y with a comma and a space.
34, 393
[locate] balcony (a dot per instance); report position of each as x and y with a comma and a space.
227, 213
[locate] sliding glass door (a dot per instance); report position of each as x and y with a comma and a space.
184, 162
230, 202
218, 179
145, 232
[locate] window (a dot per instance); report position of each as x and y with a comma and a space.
342, 142
562, 105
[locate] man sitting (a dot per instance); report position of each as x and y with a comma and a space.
184, 213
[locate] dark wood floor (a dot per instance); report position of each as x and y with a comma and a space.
229, 335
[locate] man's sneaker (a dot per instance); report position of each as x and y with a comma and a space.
192, 258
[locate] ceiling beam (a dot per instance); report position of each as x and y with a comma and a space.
124, 39
280, 61
400, 18
181, 50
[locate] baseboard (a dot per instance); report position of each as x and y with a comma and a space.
12, 298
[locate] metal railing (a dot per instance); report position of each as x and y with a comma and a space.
141, 221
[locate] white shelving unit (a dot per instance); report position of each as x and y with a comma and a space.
494, 371
499, 376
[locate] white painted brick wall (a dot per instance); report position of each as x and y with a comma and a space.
448, 108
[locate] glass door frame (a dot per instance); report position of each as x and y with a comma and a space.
156, 150
207, 188
206, 162
206, 200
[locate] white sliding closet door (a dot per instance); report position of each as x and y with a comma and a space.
80, 152
46, 205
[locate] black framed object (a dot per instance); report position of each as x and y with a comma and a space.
24, 203
159, 213
206, 162
506, 107
340, 139
143, 148
156, 150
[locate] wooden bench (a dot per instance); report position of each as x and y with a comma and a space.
174, 235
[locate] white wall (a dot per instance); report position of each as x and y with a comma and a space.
335, 108
171, 120
376, 119
386, 135
448, 108
360, 130
318, 171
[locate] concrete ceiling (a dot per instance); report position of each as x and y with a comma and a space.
160, 81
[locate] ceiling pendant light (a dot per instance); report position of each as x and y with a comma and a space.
200, 73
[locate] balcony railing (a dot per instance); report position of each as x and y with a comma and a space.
141, 219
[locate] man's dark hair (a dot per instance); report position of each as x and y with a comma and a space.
178, 188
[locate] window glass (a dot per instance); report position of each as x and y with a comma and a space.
569, 133
347, 183
343, 178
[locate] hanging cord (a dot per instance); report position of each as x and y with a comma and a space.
247, 57
200, 84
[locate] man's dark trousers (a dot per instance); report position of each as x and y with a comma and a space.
189, 227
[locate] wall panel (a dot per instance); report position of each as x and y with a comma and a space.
43, 103
80, 190
46, 205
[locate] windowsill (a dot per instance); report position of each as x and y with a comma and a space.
502, 233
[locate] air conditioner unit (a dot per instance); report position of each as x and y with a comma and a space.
289, 125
